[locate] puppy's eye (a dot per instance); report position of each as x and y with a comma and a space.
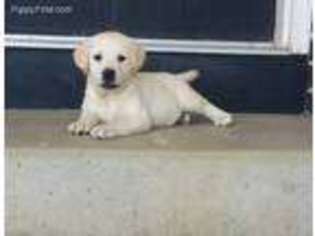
97, 57
121, 58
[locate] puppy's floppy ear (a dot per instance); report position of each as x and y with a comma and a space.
139, 57
81, 57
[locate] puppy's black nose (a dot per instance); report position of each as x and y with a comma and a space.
108, 75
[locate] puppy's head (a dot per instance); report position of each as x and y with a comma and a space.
109, 59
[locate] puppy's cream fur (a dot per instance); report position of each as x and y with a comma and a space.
139, 101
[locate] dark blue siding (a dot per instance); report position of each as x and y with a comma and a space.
48, 79
181, 19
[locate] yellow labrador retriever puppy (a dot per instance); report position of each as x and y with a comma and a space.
121, 101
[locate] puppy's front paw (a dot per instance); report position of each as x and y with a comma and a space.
101, 132
79, 128
223, 119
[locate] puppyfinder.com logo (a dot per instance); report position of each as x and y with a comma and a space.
31, 10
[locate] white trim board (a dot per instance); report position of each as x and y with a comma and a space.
293, 25
154, 45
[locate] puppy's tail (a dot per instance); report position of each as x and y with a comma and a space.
188, 76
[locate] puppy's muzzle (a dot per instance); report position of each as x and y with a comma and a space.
109, 78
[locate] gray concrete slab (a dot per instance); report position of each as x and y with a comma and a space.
46, 129
250, 179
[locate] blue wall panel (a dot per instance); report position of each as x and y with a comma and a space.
182, 19
49, 79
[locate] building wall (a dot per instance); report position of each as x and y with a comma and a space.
48, 79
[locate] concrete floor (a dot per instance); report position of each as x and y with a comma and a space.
251, 179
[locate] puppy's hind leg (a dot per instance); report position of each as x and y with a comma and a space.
191, 101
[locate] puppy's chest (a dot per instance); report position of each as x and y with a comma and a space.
114, 110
